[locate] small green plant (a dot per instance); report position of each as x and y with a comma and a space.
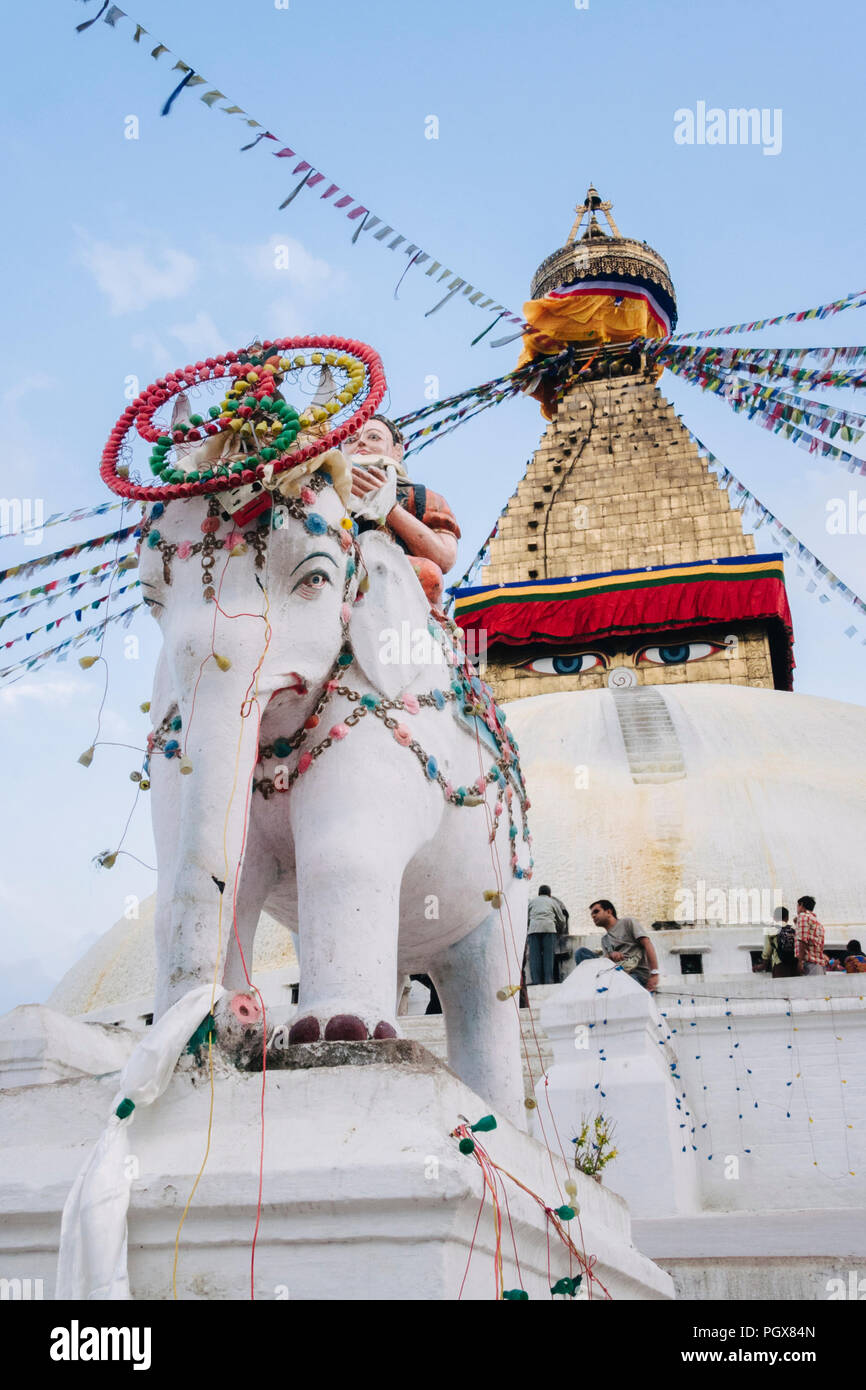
593, 1147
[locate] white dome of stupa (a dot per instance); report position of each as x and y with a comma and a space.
116, 976
640, 795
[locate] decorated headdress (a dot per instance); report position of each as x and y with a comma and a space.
255, 434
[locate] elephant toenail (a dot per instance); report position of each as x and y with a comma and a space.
306, 1030
384, 1030
345, 1028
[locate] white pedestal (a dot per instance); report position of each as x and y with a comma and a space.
365, 1196
608, 1058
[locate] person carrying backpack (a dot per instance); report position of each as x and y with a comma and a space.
780, 950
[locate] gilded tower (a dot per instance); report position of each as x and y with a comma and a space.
619, 561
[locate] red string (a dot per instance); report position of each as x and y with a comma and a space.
516, 1005
513, 1241
249, 703
490, 1184
472, 1244
547, 1233
587, 1263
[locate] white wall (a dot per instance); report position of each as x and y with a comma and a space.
771, 1084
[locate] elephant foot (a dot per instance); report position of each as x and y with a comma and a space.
339, 1028
239, 1024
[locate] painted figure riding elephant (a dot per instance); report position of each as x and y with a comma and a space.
322, 749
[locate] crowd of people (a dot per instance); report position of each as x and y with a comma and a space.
798, 949
792, 949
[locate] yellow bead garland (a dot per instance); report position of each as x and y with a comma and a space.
352, 367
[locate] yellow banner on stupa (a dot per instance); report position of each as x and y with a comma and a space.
591, 317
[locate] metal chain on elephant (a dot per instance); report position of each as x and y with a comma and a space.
237, 541
505, 770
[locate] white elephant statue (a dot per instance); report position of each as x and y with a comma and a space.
332, 778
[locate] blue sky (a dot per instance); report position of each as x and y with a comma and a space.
128, 257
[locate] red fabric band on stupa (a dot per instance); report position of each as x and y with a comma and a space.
663, 599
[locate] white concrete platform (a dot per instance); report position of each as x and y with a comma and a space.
365, 1195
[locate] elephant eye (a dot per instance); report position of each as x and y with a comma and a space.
312, 583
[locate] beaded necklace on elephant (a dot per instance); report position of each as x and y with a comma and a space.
237, 542
505, 770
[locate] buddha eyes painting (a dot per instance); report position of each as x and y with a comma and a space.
581, 662
677, 654
571, 664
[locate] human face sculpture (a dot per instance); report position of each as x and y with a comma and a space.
373, 439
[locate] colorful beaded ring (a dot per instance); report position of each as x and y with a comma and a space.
265, 426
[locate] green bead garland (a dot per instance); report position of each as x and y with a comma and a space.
280, 410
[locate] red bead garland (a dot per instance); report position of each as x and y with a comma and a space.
141, 411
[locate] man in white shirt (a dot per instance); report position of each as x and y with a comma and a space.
547, 917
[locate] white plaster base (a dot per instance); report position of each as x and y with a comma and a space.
38, 1045
365, 1196
766, 1255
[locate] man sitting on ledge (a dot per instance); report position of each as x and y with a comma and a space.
625, 942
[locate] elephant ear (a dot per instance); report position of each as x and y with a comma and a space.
389, 623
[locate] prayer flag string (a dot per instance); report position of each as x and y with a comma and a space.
30, 566
62, 650
822, 311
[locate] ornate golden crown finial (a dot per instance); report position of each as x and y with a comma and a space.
595, 253
591, 205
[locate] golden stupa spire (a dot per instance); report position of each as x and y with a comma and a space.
591, 205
